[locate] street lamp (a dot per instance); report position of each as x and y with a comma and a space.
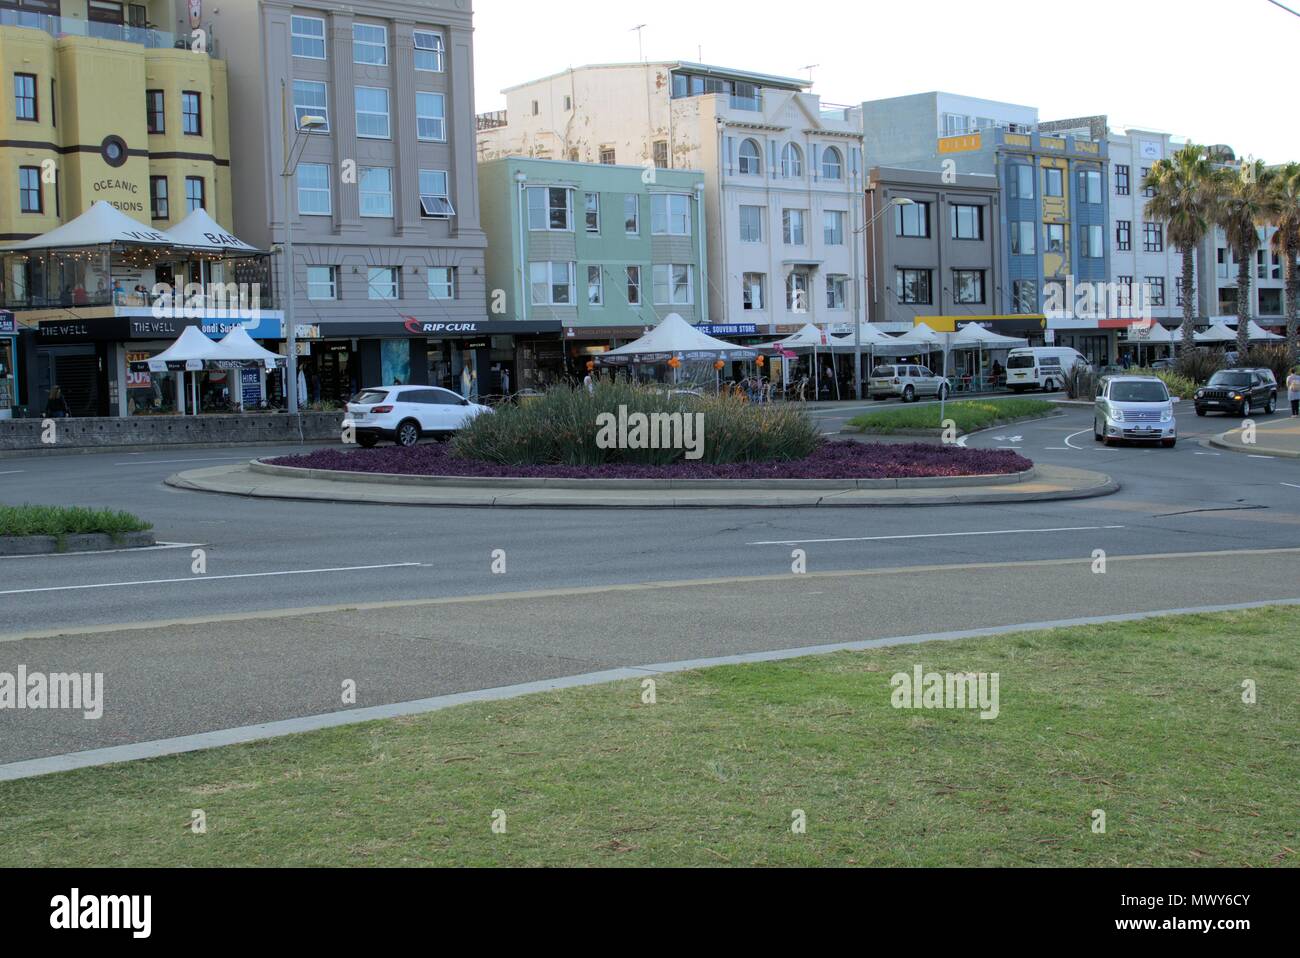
292, 157
857, 326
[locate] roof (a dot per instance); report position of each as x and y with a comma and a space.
98, 226
703, 69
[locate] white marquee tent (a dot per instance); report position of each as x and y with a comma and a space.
100, 225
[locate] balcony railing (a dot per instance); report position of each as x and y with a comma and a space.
71, 27
491, 121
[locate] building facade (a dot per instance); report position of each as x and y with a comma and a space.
602, 250
783, 175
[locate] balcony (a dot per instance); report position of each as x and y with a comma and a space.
490, 121
71, 27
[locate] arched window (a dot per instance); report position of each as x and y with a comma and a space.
791, 161
751, 158
832, 164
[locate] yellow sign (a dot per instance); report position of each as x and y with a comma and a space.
960, 144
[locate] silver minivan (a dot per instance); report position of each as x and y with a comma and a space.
1134, 407
907, 382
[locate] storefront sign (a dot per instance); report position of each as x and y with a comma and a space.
438, 330
735, 329
8, 325
250, 381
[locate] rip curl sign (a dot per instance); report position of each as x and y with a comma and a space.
417, 328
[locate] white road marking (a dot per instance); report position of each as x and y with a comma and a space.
1291, 484
1261, 457
1207, 454
209, 578
169, 462
159, 547
928, 535
1082, 432
11, 472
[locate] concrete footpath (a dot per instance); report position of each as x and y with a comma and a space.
1044, 483
1278, 437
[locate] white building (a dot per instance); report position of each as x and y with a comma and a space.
783, 174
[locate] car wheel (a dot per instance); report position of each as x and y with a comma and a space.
943, 393
408, 433
1245, 409
1201, 413
1270, 406
909, 394
367, 441
1049, 386
1096, 433
1169, 443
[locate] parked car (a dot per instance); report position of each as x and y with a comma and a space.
1236, 392
1164, 363
405, 414
907, 382
1134, 407
1042, 367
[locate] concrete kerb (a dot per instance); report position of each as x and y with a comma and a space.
57, 545
1221, 441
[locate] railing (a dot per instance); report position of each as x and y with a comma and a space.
753, 103
491, 121
71, 27
836, 111
138, 300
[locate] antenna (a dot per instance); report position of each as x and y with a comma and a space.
810, 67
640, 51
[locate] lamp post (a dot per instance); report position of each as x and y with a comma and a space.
857, 326
292, 157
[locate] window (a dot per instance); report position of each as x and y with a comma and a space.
435, 199
1147, 191
913, 286
308, 35
322, 282
912, 220
1121, 180
1022, 238
25, 97
968, 286
155, 111
752, 289
792, 227
1123, 235
30, 198
106, 11
549, 208
1053, 182
670, 214
837, 287
954, 124
632, 214
314, 189
195, 194
608, 156
428, 51
832, 164
1089, 186
442, 282
537, 108
430, 116
376, 186
1124, 291
381, 282
592, 201
568, 104
372, 112
751, 158
1022, 181
54, 120
595, 286
751, 224
796, 292
191, 114
967, 222
660, 149
158, 197
1153, 237
310, 98
791, 161
1054, 238
369, 44
634, 285
833, 227
1155, 290
1270, 302
674, 285
552, 283
1024, 296
1093, 241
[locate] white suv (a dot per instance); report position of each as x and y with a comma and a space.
406, 413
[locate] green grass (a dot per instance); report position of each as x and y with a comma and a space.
969, 415
67, 520
1142, 720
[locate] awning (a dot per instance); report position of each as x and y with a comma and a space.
674, 336
199, 231
191, 351
100, 225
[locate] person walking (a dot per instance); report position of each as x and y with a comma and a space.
1293, 392
505, 382
590, 383
56, 407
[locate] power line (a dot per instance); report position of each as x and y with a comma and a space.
1284, 7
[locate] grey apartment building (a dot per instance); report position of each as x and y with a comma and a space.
388, 279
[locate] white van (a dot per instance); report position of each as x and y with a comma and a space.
1042, 367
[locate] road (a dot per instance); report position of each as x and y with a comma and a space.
877, 572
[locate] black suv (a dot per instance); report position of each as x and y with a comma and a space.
1238, 391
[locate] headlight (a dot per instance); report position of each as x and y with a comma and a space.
1200, 394
1237, 397
1117, 415
1167, 416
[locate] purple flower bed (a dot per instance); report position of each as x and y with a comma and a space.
832, 460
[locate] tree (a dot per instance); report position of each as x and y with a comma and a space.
1184, 188
1286, 242
1245, 204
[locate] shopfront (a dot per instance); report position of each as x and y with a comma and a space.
8, 364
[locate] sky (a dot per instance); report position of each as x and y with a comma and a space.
1164, 65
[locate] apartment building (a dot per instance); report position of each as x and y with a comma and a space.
783, 176
389, 277
595, 248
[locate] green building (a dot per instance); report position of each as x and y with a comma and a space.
606, 250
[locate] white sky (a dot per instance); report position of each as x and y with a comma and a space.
1170, 65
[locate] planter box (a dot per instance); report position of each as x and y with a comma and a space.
50, 545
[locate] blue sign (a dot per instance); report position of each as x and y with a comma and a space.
8, 325
260, 328
250, 382
738, 329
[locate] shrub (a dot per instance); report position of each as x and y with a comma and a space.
67, 520
561, 428
1081, 382
1198, 364
1274, 356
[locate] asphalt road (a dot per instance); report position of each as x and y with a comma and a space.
263, 556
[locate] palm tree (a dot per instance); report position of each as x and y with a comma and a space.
1247, 202
1286, 242
1184, 187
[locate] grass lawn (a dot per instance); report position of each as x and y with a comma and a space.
1144, 721
968, 415
67, 520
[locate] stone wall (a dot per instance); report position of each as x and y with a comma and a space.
267, 429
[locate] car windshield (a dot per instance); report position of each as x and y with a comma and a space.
883, 372
370, 397
1020, 362
1139, 392
1230, 379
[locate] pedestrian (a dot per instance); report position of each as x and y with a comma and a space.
1293, 392
56, 407
505, 382
589, 383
